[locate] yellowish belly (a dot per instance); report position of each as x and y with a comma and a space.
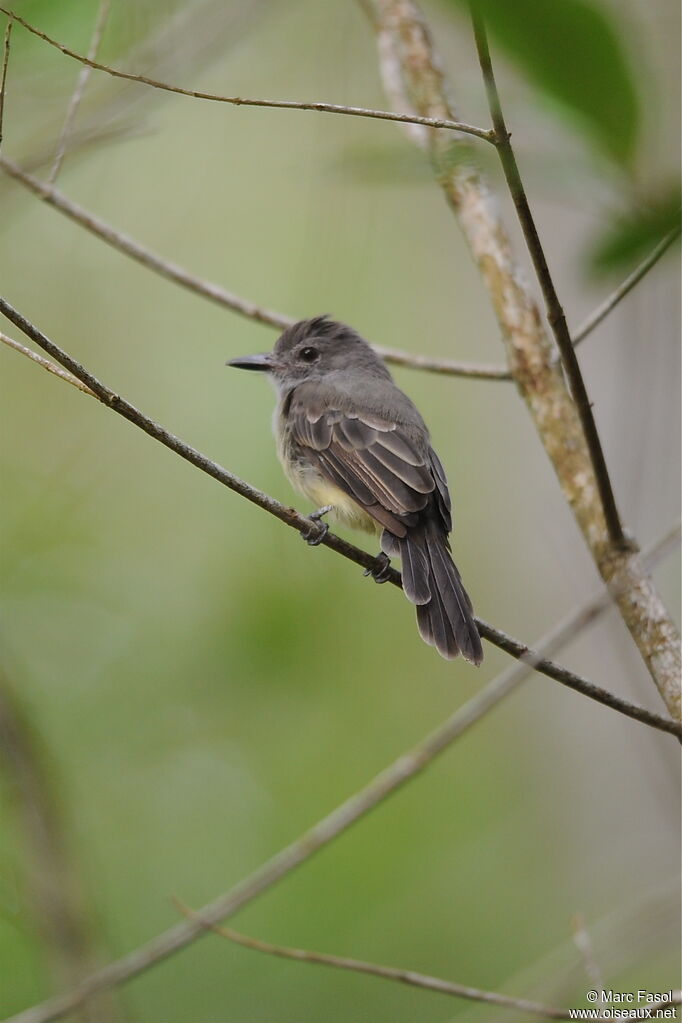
345, 509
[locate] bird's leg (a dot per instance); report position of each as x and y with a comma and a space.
381, 572
316, 533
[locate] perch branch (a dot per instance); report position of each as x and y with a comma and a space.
410, 68
296, 521
81, 83
239, 101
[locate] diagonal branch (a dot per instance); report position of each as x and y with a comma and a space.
296, 521
229, 300
81, 83
603, 310
410, 977
383, 785
240, 101
214, 292
410, 67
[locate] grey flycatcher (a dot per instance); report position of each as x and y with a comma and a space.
351, 441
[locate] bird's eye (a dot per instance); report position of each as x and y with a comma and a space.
309, 354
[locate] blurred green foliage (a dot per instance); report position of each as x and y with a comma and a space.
633, 235
573, 52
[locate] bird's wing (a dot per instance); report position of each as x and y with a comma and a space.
372, 460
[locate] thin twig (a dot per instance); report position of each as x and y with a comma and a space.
280, 104
51, 367
603, 310
299, 522
172, 271
81, 83
413, 78
411, 977
473, 370
3, 73
384, 784
555, 313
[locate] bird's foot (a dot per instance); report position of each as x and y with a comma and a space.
381, 569
316, 532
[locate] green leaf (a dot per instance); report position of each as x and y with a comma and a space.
571, 50
635, 234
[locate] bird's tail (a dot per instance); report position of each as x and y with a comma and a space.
431, 582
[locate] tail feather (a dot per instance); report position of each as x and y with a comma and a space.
432, 582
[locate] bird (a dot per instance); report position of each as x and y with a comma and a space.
357, 447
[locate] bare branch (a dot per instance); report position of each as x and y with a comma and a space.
411, 977
555, 313
3, 73
384, 784
603, 310
81, 83
279, 104
407, 58
296, 521
172, 271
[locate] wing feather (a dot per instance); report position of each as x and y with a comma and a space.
373, 460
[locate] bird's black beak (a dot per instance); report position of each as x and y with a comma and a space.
262, 362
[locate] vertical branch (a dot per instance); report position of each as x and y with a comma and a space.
407, 57
82, 81
55, 896
3, 73
555, 313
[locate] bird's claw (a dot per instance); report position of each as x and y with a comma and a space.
381, 569
316, 532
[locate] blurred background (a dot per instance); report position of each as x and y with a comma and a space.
193, 685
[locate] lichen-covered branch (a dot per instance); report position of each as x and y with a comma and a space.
414, 80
